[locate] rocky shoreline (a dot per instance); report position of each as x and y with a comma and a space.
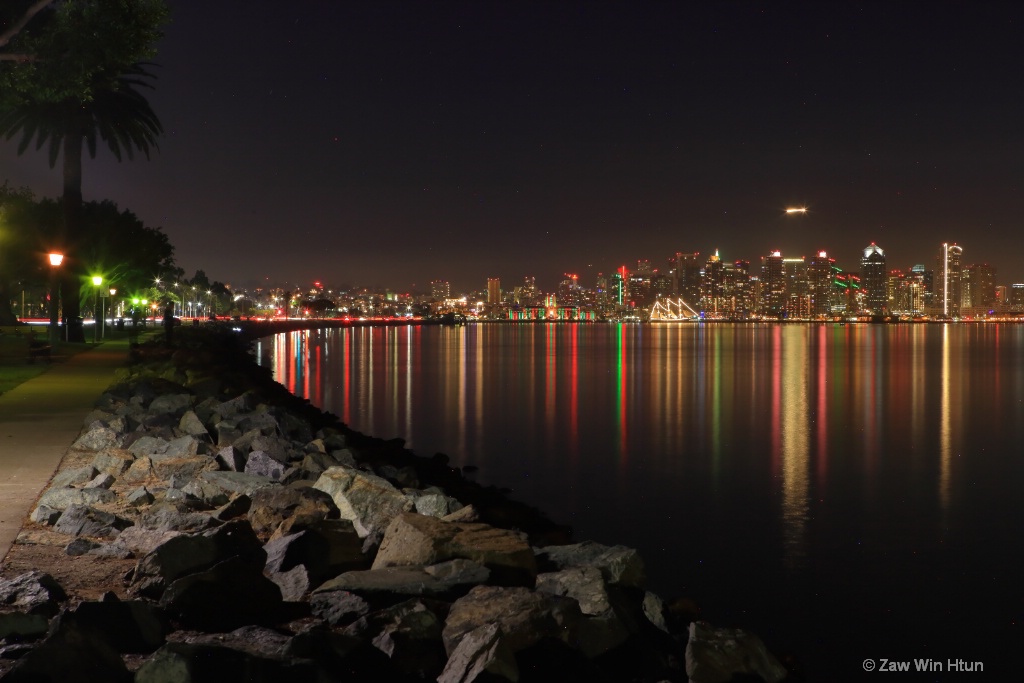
209, 525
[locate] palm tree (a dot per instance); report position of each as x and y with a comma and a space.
117, 114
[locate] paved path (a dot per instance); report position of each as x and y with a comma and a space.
40, 419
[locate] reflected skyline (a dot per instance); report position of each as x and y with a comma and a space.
852, 464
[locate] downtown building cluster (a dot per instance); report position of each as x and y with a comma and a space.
778, 287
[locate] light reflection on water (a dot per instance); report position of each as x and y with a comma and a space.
857, 469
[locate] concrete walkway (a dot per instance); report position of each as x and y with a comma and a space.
40, 419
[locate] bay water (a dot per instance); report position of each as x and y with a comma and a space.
847, 492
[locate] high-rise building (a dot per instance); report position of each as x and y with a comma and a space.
873, 279
948, 290
440, 290
687, 279
493, 290
798, 302
979, 286
773, 285
1017, 297
819, 284
712, 289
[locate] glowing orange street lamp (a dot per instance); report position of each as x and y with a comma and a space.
56, 258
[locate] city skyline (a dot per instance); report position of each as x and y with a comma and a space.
393, 143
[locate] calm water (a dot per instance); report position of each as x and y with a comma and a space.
844, 491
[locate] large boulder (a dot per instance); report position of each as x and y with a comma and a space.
187, 554
32, 593
409, 633
416, 540
235, 482
619, 565
71, 653
113, 462
228, 595
130, 626
63, 498
98, 439
81, 520
371, 502
447, 579
325, 549
716, 655
479, 653
306, 505
525, 617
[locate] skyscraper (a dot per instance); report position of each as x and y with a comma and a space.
686, 275
773, 284
947, 280
493, 290
819, 283
440, 290
874, 279
979, 286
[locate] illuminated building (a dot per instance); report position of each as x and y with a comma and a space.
712, 290
979, 287
686, 277
1017, 297
440, 290
819, 284
773, 285
493, 290
873, 279
797, 301
948, 290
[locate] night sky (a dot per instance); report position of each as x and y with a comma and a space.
389, 144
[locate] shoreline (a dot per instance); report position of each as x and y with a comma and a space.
523, 553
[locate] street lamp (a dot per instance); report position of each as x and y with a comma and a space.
56, 258
96, 321
113, 304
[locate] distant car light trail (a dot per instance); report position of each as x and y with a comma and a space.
800, 210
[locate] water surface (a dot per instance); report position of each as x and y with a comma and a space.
846, 491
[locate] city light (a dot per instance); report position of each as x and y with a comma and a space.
801, 209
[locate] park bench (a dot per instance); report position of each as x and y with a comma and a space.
38, 349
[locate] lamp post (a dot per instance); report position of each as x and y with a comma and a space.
96, 282
56, 258
113, 291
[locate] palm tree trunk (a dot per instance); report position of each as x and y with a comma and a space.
73, 229
72, 201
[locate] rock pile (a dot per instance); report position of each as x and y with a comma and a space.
273, 544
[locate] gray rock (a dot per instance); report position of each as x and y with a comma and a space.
113, 462
525, 617
344, 457
101, 481
43, 514
226, 434
437, 505
619, 565
81, 520
139, 540
480, 652
326, 548
80, 546
228, 595
139, 497
654, 610
231, 459
409, 633
583, 584
181, 447
716, 655
230, 408
185, 467
293, 583
32, 593
175, 404
338, 607
98, 439
78, 475
371, 502
235, 482
265, 423
273, 505
141, 470
192, 553
210, 495
166, 516
148, 445
423, 581
191, 424
262, 464
111, 550
416, 540
61, 499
